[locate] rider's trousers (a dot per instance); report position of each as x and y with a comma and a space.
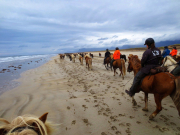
136, 82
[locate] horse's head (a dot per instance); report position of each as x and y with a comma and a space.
134, 63
168, 61
26, 125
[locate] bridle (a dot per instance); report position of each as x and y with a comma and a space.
19, 129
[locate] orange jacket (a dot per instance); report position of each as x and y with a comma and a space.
116, 55
173, 52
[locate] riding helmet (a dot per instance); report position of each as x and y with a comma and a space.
149, 41
107, 50
117, 48
174, 47
165, 47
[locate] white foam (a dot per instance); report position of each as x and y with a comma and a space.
18, 58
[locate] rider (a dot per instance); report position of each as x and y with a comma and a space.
150, 59
166, 52
107, 54
174, 51
116, 56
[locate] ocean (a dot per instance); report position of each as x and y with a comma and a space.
12, 66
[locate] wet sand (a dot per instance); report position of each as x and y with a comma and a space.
87, 102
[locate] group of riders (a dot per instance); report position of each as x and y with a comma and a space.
151, 58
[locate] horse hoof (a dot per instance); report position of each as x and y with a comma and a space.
151, 117
145, 109
134, 102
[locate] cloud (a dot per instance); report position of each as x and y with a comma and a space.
102, 38
45, 26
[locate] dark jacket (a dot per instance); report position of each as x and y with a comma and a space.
150, 59
166, 52
107, 54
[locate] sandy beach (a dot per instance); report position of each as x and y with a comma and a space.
87, 102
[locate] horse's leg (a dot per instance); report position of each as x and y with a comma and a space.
146, 102
114, 71
134, 101
158, 99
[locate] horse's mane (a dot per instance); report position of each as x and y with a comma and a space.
171, 59
28, 121
136, 61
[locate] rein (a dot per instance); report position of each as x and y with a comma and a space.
19, 129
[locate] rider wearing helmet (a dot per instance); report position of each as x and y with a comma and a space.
166, 52
150, 59
116, 56
107, 54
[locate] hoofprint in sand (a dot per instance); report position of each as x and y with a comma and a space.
87, 102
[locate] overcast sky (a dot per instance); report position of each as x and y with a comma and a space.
57, 26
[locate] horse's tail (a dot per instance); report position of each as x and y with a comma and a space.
123, 67
90, 63
82, 60
175, 95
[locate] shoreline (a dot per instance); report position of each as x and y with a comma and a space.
14, 69
86, 102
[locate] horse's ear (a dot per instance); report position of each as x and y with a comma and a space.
43, 117
4, 120
135, 56
3, 131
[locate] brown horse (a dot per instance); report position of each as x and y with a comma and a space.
99, 54
88, 62
161, 85
107, 62
120, 63
176, 58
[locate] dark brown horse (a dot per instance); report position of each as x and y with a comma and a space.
120, 63
161, 85
107, 62
99, 54
176, 58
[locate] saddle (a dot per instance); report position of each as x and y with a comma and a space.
158, 70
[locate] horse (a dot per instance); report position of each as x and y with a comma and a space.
161, 85
107, 62
99, 54
73, 58
176, 58
27, 125
88, 62
80, 59
91, 55
120, 63
170, 63
123, 57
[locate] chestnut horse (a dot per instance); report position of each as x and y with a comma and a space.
80, 59
88, 62
120, 63
161, 85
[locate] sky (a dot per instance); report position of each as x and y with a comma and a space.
58, 26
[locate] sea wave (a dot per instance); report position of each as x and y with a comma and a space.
18, 58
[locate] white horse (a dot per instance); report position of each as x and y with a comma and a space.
73, 58
170, 63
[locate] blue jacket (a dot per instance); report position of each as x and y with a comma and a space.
166, 52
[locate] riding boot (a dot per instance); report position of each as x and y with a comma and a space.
136, 83
111, 64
